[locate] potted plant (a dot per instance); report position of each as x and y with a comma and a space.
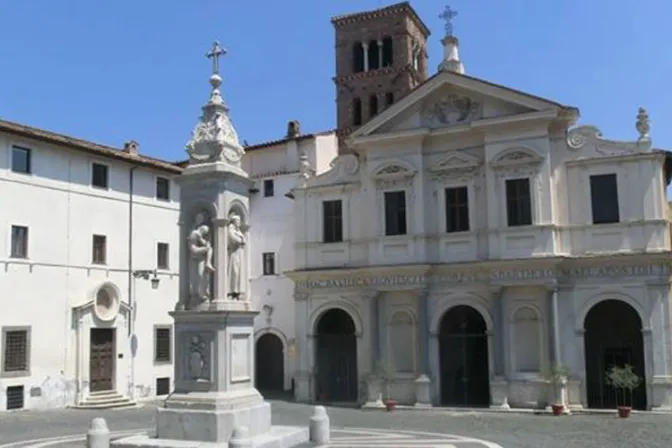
623, 379
557, 376
384, 373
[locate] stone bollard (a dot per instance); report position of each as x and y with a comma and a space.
98, 435
319, 426
240, 438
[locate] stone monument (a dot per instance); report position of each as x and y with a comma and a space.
214, 320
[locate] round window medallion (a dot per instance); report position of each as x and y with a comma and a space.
106, 304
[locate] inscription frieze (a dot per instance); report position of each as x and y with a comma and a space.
494, 276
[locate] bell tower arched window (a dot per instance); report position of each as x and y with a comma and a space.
374, 55
356, 112
387, 52
357, 57
373, 106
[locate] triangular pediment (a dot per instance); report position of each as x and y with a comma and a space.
455, 161
450, 99
343, 169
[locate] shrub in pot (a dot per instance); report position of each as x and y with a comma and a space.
384, 373
557, 376
624, 380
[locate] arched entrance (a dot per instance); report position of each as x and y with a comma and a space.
463, 354
613, 337
269, 365
336, 356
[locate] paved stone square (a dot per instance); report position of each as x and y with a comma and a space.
357, 428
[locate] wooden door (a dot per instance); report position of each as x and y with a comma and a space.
101, 370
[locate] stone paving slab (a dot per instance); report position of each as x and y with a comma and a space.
508, 430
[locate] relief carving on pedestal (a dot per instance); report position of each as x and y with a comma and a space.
199, 368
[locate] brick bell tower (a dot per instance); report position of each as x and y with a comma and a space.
381, 55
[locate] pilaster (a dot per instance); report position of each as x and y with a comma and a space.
423, 384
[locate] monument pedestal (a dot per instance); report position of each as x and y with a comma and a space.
214, 390
214, 401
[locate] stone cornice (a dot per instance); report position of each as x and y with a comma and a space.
617, 158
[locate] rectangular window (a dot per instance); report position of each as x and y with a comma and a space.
162, 386
99, 255
99, 175
604, 198
162, 344
268, 258
21, 160
19, 242
332, 217
162, 188
15, 352
269, 188
518, 202
457, 209
395, 213
15, 397
162, 260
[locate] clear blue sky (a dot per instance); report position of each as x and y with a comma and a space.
111, 71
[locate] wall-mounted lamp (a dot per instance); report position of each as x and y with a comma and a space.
148, 275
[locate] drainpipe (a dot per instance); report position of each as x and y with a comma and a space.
131, 280
130, 248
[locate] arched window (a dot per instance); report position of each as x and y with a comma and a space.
374, 56
357, 57
356, 112
402, 342
527, 340
373, 106
387, 52
389, 99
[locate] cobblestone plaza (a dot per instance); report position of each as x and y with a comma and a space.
354, 428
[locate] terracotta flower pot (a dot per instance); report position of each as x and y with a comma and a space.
390, 405
624, 411
557, 409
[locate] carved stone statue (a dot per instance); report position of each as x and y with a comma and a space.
200, 260
236, 244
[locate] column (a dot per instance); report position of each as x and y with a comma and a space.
304, 342
423, 397
558, 382
380, 54
366, 56
499, 385
658, 348
374, 384
220, 237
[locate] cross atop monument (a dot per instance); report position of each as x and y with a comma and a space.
448, 15
215, 54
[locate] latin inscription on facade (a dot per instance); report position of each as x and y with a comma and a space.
495, 276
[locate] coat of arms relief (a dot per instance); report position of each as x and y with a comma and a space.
452, 109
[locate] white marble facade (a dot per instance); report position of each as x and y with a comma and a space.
275, 169
531, 283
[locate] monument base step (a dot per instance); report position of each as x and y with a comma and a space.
277, 437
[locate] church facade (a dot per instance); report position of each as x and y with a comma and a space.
472, 242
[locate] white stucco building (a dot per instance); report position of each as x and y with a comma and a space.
69, 207
470, 237
77, 327
276, 168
